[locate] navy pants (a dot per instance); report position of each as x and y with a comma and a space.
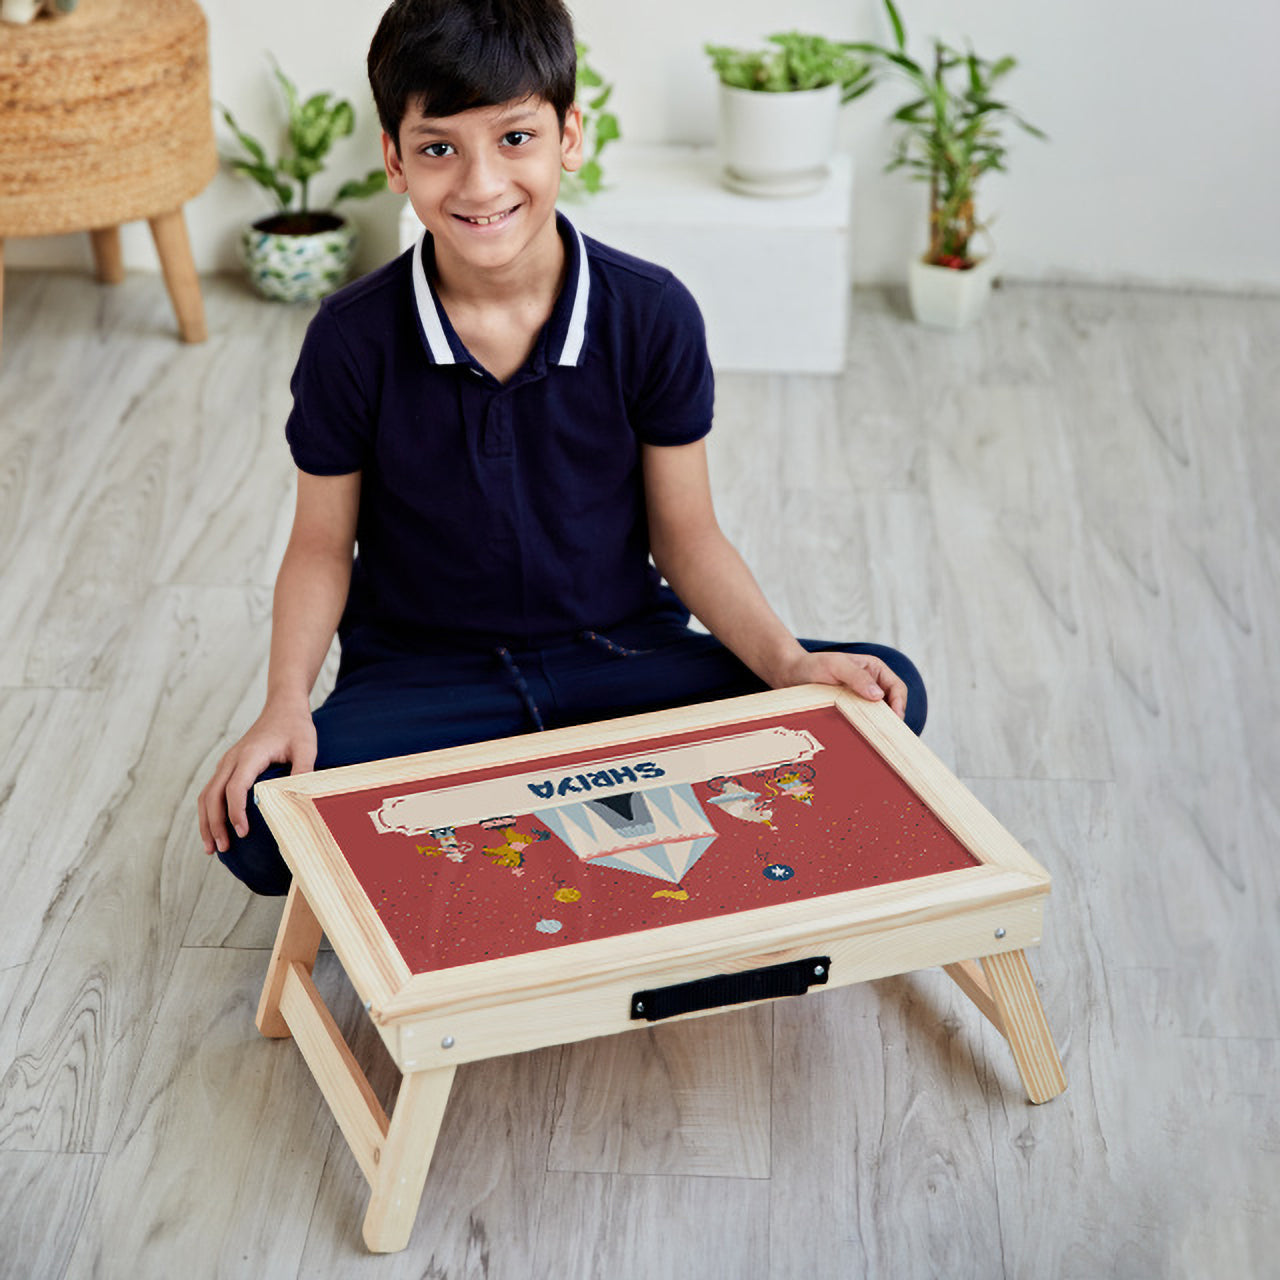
387, 702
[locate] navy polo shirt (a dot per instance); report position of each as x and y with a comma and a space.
494, 512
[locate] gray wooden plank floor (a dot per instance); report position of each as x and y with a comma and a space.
1070, 516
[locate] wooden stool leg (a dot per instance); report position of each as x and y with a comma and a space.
406, 1157
107, 256
297, 941
1009, 998
169, 231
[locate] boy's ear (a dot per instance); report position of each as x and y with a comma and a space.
571, 140
395, 169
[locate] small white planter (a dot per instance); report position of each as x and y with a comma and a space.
944, 298
777, 144
19, 11
297, 268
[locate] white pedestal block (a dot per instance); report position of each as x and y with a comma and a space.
772, 276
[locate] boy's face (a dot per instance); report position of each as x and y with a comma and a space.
484, 182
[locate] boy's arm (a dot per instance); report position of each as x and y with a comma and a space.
311, 591
713, 581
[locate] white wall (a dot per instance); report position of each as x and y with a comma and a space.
1164, 121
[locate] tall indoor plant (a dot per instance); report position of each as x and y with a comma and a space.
951, 133
778, 110
300, 253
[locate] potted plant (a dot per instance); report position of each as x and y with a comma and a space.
599, 129
951, 134
298, 253
22, 11
778, 110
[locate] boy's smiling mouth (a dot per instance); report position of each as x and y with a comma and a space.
487, 220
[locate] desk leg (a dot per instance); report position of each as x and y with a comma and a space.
108, 257
405, 1158
169, 231
297, 941
1003, 989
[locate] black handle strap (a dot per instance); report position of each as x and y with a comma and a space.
791, 979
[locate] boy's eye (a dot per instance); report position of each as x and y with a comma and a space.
437, 150
516, 138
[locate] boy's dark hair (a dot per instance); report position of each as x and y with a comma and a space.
446, 56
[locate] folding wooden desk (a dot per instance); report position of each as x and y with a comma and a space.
538, 890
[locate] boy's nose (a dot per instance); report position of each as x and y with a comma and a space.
482, 180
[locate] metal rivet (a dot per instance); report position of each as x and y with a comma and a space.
818, 971
999, 933
639, 1006
368, 1004
447, 1043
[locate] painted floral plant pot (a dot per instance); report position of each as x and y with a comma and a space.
287, 262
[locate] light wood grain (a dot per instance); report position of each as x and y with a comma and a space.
1100, 459
43, 1197
297, 941
484, 1194
220, 1124
638, 1228
169, 231
878, 1116
405, 1158
342, 1081
111, 929
969, 977
689, 1098
108, 260
1022, 1022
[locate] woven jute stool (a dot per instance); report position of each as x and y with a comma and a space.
104, 119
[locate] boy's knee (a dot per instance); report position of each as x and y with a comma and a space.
254, 859
917, 711
917, 704
257, 864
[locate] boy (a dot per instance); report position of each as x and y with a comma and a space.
504, 424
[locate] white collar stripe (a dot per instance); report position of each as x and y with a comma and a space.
441, 351
438, 343
574, 339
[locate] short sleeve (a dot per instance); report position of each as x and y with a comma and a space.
677, 388
330, 427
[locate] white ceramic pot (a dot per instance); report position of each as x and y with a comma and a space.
297, 268
945, 298
777, 144
19, 11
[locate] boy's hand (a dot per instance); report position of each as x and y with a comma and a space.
280, 735
867, 676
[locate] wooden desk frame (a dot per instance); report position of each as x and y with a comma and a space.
975, 922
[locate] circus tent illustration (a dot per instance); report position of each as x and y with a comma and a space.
660, 831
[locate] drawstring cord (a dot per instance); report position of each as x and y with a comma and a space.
618, 650
522, 685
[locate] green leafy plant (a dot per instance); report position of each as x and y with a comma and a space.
952, 133
313, 126
599, 127
795, 63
